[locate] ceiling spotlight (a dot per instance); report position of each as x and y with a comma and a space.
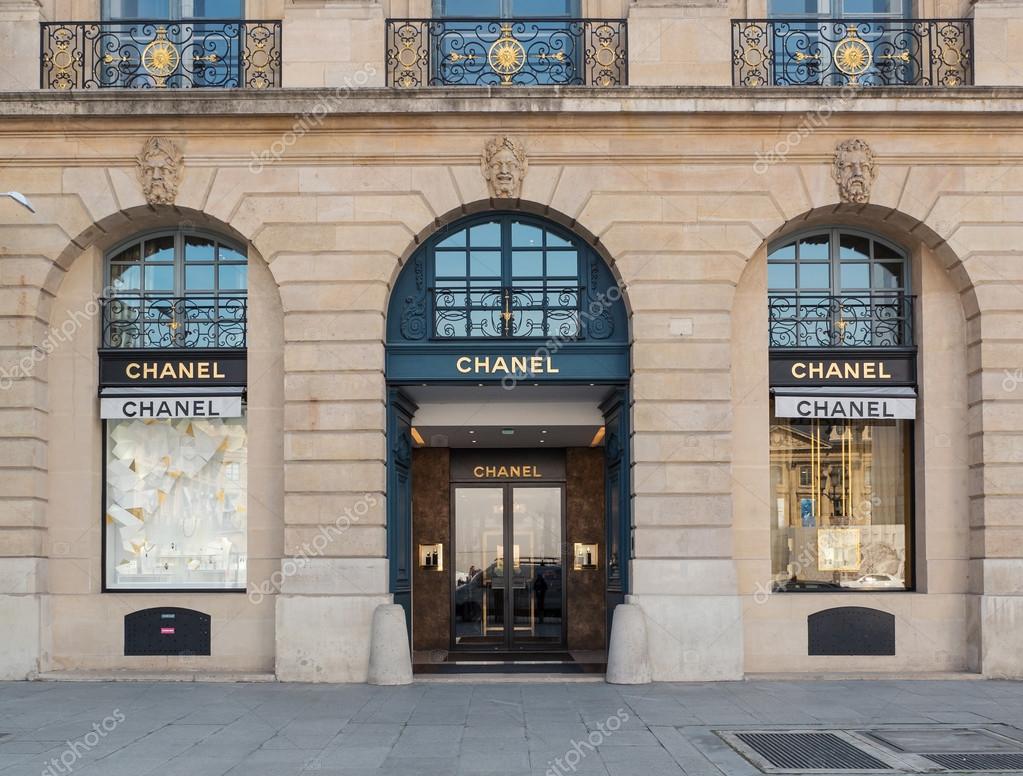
543, 431
475, 441
542, 441
471, 431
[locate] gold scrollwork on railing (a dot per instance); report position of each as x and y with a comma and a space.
498, 52
862, 52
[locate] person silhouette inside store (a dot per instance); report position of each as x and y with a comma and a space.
540, 591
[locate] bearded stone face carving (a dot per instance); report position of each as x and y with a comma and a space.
160, 171
854, 170
504, 166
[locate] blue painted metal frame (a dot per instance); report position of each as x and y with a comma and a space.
598, 354
618, 497
600, 357
400, 410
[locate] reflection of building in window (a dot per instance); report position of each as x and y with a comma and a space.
841, 492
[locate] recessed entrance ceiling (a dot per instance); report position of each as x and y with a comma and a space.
491, 416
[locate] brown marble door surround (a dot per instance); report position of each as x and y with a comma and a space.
583, 476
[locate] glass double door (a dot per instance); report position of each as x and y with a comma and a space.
508, 577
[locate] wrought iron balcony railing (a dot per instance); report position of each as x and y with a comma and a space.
551, 311
860, 52
869, 320
140, 322
161, 54
505, 52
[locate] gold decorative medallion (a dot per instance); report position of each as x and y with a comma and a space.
852, 56
506, 55
160, 58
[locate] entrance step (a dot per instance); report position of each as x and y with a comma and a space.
510, 663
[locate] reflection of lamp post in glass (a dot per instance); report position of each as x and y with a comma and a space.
20, 198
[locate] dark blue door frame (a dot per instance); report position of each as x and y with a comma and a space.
400, 410
547, 327
617, 495
617, 498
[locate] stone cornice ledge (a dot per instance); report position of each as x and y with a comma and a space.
125, 103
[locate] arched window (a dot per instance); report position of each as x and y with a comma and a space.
838, 288
843, 381
507, 276
176, 289
176, 449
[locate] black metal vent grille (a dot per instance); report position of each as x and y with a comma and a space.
811, 751
973, 761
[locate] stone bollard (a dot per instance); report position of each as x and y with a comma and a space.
390, 661
628, 656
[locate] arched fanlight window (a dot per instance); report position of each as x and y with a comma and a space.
176, 289
839, 288
508, 276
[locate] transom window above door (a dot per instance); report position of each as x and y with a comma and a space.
506, 277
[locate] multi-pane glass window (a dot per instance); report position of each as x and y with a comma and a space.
837, 9
832, 41
187, 42
175, 487
175, 513
841, 496
176, 290
124, 10
507, 41
839, 288
506, 277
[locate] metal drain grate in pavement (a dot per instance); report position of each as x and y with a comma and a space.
810, 752
978, 761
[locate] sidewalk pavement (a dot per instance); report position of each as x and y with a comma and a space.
449, 729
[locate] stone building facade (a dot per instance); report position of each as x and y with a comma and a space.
679, 181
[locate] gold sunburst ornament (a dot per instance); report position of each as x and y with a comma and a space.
852, 55
506, 56
160, 58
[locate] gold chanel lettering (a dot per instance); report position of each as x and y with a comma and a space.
174, 370
840, 370
501, 365
523, 472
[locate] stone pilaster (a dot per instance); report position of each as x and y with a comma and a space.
23, 459
680, 42
997, 32
336, 43
19, 44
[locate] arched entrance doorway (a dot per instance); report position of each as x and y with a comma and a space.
508, 456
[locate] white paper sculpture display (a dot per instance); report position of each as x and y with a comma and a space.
176, 499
